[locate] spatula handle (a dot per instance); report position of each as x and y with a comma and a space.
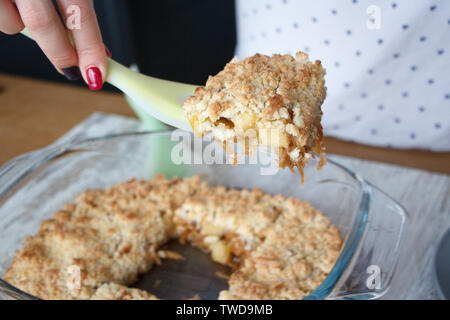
161, 99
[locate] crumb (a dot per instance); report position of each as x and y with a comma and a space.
157, 283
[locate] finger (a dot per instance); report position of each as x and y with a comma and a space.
10, 21
88, 40
42, 20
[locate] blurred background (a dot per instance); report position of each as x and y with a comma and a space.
179, 40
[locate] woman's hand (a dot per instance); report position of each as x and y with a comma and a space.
87, 59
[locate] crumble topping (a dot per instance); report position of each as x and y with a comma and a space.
279, 248
274, 101
113, 291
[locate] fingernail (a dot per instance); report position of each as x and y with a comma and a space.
108, 53
72, 73
94, 78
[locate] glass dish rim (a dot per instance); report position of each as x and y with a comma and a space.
351, 243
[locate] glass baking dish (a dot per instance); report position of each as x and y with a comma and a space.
35, 185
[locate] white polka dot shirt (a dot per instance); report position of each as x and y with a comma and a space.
388, 63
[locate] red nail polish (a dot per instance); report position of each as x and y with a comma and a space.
108, 53
94, 78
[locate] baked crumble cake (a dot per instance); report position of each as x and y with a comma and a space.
274, 101
279, 248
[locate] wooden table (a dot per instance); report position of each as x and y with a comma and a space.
35, 113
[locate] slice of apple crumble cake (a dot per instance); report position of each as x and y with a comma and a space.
274, 101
